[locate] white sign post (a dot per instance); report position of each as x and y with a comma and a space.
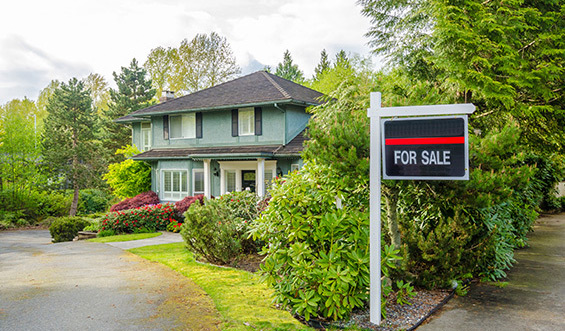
376, 113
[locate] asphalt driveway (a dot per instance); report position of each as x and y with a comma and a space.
92, 286
533, 299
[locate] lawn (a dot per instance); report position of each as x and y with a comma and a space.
241, 298
125, 237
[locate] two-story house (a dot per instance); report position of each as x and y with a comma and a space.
234, 136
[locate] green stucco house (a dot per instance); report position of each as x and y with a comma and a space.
234, 136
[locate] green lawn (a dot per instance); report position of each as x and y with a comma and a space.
241, 298
125, 237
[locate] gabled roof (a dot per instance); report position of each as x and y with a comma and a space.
255, 89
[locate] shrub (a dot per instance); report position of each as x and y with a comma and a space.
183, 205
93, 201
66, 228
317, 255
140, 200
154, 218
128, 178
218, 230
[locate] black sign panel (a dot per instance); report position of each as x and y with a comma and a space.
425, 148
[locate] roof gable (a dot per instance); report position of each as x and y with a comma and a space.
257, 88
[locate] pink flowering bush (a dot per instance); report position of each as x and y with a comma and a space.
150, 217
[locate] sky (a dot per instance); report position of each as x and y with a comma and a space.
59, 39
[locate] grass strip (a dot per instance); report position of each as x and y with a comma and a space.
241, 298
125, 237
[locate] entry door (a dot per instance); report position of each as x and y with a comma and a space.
248, 180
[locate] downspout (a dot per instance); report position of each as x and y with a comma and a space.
284, 122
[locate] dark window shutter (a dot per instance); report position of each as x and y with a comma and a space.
258, 121
166, 127
234, 120
198, 125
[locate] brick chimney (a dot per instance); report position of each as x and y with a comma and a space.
167, 95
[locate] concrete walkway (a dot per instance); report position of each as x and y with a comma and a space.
92, 286
165, 238
534, 298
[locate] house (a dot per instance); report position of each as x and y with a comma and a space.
234, 136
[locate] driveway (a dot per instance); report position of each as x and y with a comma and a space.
534, 298
92, 286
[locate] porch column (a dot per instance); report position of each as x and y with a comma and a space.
222, 181
260, 178
207, 193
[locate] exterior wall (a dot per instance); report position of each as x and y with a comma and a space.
296, 121
136, 135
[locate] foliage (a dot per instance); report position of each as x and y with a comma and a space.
217, 230
99, 92
66, 228
134, 92
404, 293
124, 237
70, 146
93, 201
317, 255
151, 218
288, 70
323, 65
174, 226
129, 177
183, 205
203, 62
242, 300
140, 200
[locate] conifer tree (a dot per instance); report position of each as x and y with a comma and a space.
70, 148
134, 92
288, 70
323, 65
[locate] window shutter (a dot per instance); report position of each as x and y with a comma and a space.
234, 128
198, 125
166, 127
258, 121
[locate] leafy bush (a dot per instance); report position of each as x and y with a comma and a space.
140, 200
153, 218
93, 201
183, 205
66, 228
317, 255
217, 230
128, 178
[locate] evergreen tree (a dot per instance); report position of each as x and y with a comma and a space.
323, 65
134, 92
70, 146
288, 70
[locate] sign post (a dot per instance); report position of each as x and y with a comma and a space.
430, 148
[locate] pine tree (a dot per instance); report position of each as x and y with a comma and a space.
134, 92
323, 65
289, 70
70, 147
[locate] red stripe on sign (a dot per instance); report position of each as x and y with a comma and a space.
425, 141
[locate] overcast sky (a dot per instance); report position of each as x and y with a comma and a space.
43, 40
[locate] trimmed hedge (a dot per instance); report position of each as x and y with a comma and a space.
66, 228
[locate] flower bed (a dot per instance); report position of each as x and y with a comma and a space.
150, 217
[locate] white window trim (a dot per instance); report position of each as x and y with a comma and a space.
251, 124
192, 133
294, 167
147, 147
163, 192
194, 171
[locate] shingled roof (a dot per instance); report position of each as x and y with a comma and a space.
254, 89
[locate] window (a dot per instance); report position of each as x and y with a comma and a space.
175, 184
145, 136
197, 181
268, 179
246, 124
294, 167
182, 126
230, 181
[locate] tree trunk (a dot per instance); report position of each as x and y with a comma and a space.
391, 203
74, 205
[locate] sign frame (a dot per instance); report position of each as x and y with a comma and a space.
465, 146
376, 113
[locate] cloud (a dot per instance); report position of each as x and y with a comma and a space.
26, 69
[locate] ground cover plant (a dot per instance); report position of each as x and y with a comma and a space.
242, 299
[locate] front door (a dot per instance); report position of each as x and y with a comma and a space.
248, 180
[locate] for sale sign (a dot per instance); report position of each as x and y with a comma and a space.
425, 148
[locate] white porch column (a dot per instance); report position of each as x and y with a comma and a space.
207, 191
260, 177
222, 181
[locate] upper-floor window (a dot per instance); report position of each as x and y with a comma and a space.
182, 126
145, 136
247, 122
